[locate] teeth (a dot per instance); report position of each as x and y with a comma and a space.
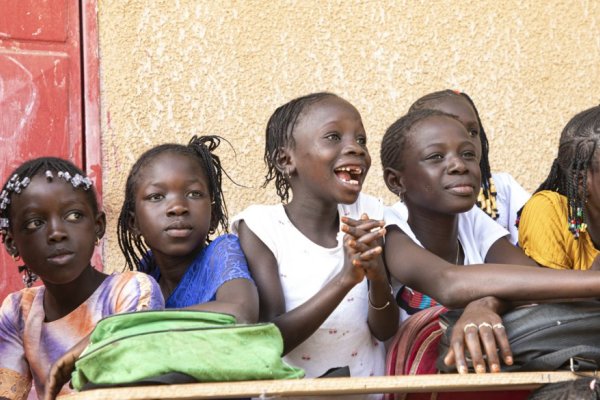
350, 181
351, 170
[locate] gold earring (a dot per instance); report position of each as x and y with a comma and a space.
97, 240
16, 257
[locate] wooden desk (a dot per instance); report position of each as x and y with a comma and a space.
330, 386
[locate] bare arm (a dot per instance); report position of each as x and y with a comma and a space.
456, 286
298, 324
237, 297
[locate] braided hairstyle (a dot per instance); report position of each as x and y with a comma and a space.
279, 135
51, 168
396, 136
568, 174
487, 195
200, 149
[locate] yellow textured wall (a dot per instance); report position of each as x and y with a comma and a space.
174, 68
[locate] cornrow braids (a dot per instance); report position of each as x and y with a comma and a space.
200, 149
487, 195
279, 135
568, 174
396, 136
50, 167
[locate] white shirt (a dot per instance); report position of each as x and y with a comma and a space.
344, 339
510, 198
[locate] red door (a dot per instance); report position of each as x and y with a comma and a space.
40, 91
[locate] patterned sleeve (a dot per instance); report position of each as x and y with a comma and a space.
15, 378
541, 231
231, 259
137, 292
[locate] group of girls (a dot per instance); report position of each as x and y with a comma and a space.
329, 265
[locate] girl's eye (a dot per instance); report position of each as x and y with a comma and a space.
474, 132
155, 197
196, 194
74, 216
333, 136
33, 224
469, 155
362, 140
434, 157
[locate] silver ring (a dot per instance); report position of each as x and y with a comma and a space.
485, 324
469, 325
498, 326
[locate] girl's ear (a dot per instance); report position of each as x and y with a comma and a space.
284, 162
9, 244
100, 224
394, 181
132, 223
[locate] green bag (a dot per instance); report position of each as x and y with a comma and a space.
210, 347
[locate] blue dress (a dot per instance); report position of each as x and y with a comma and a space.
221, 261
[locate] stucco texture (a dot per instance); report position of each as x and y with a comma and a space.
170, 69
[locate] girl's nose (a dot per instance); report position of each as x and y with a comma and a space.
176, 208
56, 231
351, 147
456, 164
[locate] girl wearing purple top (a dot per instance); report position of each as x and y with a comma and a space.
50, 218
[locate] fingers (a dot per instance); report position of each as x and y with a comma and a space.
360, 228
456, 355
474, 346
503, 344
487, 337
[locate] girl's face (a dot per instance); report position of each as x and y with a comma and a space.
330, 159
53, 227
460, 107
441, 166
172, 207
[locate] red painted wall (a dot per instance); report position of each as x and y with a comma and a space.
41, 82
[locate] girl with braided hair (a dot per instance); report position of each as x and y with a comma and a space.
317, 258
560, 225
49, 218
500, 196
173, 205
449, 250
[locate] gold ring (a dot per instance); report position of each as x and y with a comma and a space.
498, 326
469, 325
485, 324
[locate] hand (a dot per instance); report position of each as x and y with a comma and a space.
61, 370
363, 242
479, 324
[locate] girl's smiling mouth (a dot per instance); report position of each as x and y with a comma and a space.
461, 189
349, 174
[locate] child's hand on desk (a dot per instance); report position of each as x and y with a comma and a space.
479, 324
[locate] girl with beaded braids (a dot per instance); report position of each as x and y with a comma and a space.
500, 196
317, 258
50, 218
560, 225
173, 205
431, 162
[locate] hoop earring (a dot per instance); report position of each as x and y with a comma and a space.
29, 277
97, 241
16, 257
401, 194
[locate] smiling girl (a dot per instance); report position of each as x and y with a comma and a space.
173, 205
50, 218
431, 162
310, 273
